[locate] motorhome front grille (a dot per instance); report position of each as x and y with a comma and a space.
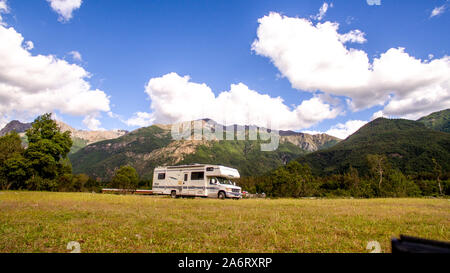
236, 190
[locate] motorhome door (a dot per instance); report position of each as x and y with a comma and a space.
197, 183
185, 187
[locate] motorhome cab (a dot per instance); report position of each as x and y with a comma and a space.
196, 180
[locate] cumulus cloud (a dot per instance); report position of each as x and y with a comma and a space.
419, 102
354, 36
378, 114
65, 8
343, 130
141, 119
312, 132
76, 56
317, 57
34, 84
175, 98
92, 123
322, 11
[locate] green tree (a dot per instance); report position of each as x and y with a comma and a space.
13, 168
399, 185
48, 148
65, 183
15, 171
10, 145
37, 183
93, 185
352, 181
80, 181
302, 180
292, 180
125, 177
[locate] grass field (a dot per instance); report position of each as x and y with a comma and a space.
47, 222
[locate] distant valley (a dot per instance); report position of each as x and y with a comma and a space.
151, 146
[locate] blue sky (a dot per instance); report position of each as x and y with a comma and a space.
124, 44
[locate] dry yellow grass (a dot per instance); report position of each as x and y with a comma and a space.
46, 222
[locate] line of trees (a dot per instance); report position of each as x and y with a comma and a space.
297, 180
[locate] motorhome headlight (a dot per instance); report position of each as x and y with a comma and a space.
229, 189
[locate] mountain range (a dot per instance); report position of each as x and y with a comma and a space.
409, 145
151, 146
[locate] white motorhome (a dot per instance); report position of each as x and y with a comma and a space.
198, 180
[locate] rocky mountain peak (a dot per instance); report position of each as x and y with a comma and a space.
16, 126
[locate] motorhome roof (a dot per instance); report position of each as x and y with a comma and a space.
185, 166
195, 165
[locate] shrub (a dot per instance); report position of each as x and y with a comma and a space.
125, 178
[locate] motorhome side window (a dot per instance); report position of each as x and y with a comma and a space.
197, 175
161, 176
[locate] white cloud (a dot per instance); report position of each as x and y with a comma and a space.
354, 36
312, 132
316, 57
34, 84
438, 10
378, 114
3, 9
113, 115
343, 130
92, 123
175, 99
419, 102
141, 119
322, 11
76, 56
65, 8
57, 117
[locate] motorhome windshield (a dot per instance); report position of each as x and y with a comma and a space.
224, 181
